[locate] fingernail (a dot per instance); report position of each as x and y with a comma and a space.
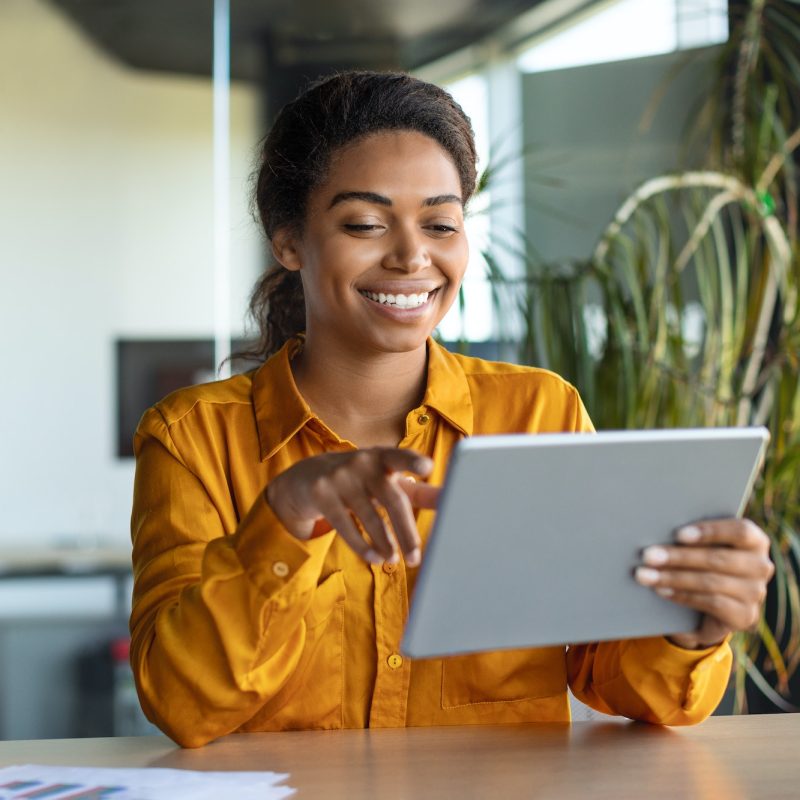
647, 577
414, 557
665, 591
394, 558
373, 557
655, 556
688, 535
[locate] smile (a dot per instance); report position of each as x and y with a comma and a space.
398, 300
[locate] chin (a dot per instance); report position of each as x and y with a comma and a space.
400, 341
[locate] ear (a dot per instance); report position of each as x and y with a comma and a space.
285, 250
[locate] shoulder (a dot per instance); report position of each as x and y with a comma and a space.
515, 398
235, 391
189, 406
479, 367
481, 373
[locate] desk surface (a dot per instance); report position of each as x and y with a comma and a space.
725, 757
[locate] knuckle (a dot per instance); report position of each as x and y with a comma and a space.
319, 490
716, 603
718, 558
340, 476
363, 459
388, 491
755, 535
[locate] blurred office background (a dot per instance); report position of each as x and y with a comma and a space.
127, 249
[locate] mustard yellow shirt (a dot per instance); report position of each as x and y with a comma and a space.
238, 626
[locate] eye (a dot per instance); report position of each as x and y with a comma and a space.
361, 227
442, 229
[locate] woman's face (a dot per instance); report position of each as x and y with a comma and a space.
383, 249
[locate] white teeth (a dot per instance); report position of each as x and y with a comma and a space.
398, 300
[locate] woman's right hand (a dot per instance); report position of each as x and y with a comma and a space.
340, 488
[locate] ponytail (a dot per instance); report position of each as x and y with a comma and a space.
278, 307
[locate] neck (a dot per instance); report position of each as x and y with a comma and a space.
365, 400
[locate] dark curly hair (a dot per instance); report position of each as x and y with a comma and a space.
295, 156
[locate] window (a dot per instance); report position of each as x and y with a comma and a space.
476, 323
623, 29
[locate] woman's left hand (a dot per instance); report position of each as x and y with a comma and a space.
720, 568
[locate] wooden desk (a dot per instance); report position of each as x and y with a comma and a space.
725, 758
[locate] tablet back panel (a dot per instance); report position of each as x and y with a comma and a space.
537, 537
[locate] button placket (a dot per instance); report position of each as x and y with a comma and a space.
390, 693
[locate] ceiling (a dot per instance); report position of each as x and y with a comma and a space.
289, 35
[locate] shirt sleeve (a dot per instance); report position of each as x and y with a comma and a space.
217, 623
651, 680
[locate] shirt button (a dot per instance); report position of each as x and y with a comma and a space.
394, 661
389, 568
423, 419
280, 568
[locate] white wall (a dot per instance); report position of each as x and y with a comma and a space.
105, 232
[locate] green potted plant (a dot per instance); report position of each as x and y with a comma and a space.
686, 313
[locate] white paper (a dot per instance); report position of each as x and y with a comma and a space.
37, 782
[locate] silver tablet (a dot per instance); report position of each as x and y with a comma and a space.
537, 536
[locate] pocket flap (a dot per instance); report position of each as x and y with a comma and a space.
328, 594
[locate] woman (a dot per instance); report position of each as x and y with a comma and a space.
277, 528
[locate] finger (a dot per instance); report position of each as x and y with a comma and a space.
738, 533
349, 483
347, 530
338, 515
742, 589
362, 507
729, 612
421, 495
401, 515
395, 459
725, 560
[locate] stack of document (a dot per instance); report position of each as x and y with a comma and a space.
88, 783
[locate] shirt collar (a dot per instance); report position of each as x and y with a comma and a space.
448, 389
281, 410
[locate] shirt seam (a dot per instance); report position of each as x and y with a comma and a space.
197, 402
525, 699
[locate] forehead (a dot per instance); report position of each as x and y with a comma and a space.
392, 163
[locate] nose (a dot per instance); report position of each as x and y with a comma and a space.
407, 251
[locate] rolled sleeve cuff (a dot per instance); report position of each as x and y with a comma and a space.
698, 678
669, 658
277, 562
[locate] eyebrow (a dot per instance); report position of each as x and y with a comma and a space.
382, 200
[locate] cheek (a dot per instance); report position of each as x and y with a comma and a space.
453, 261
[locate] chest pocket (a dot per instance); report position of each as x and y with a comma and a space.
312, 697
505, 676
